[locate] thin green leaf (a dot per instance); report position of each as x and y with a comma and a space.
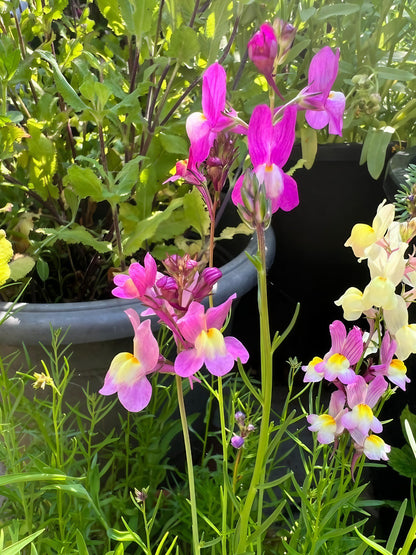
16, 548
394, 534
374, 545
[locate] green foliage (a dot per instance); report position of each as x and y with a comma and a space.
87, 135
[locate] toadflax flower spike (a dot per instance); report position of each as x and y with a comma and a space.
128, 372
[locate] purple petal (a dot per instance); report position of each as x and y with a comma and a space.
213, 92
375, 390
216, 315
137, 396
146, 348
335, 106
236, 194
109, 386
356, 392
283, 137
338, 334
187, 363
323, 70
200, 136
353, 346
260, 135
220, 365
336, 403
317, 119
236, 349
193, 322
290, 197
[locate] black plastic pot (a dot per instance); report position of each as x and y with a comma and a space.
312, 266
397, 168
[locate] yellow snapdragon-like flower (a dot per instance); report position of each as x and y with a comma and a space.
352, 303
6, 252
363, 235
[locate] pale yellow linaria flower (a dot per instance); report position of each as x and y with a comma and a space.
363, 235
352, 303
6, 252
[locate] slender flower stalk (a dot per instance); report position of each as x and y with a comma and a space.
190, 467
266, 357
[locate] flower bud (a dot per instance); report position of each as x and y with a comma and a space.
285, 35
237, 442
256, 209
262, 49
240, 417
205, 282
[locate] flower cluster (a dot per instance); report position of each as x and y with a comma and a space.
350, 364
175, 297
270, 132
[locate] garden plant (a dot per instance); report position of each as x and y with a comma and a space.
256, 477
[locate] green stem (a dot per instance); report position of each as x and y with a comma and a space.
190, 467
409, 538
266, 389
224, 466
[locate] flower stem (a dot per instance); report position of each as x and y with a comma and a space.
266, 391
190, 467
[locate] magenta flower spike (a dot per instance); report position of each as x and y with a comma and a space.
346, 350
127, 375
207, 345
323, 106
269, 147
202, 128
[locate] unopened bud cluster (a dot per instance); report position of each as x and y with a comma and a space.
256, 209
367, 101
237, 441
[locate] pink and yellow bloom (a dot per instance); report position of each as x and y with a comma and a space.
393, 368
206, 344
329, 426
346, 350
127, 375
361, 398
269, 147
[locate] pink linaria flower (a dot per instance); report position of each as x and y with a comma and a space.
346, 350
202, 128
128, 372
393, 368
206, 343
329, 425
139, 281
373, 447
361, 398
269, 147
323, 106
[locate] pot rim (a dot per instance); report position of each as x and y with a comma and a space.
91, 321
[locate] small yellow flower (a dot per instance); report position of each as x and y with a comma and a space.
42, 380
